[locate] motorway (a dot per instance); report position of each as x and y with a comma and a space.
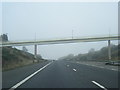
60, 74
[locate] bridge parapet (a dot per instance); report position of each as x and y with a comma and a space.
59, 41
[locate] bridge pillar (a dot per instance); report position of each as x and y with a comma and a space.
35, 52
109, 50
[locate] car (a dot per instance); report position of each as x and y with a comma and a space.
109, 63
113, 63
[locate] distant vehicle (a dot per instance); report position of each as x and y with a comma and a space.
113, 63
109, 63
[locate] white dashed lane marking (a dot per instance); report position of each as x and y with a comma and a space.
67, 65
74, 70
99, 85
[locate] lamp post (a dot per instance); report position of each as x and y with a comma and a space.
72, 33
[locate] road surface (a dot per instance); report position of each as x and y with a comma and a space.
60, 74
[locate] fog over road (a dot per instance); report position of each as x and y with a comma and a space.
61, 74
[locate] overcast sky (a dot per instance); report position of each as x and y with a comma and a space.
51, 20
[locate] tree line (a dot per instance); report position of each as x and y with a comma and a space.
99, 55
4, 37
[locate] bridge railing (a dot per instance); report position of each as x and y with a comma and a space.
59, 41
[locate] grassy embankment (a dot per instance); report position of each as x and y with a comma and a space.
13, 58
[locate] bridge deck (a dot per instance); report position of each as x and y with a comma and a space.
59, 41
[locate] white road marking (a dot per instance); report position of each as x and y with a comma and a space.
67, 65
99, 85
27, 78
74, 70
112, 69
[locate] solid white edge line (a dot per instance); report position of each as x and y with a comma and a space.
99, 85
24, 80
75, 70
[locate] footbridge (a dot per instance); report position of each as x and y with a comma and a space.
61, 41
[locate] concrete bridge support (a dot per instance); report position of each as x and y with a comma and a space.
35, 52
109, 50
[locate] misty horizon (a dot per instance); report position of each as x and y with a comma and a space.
52, 20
